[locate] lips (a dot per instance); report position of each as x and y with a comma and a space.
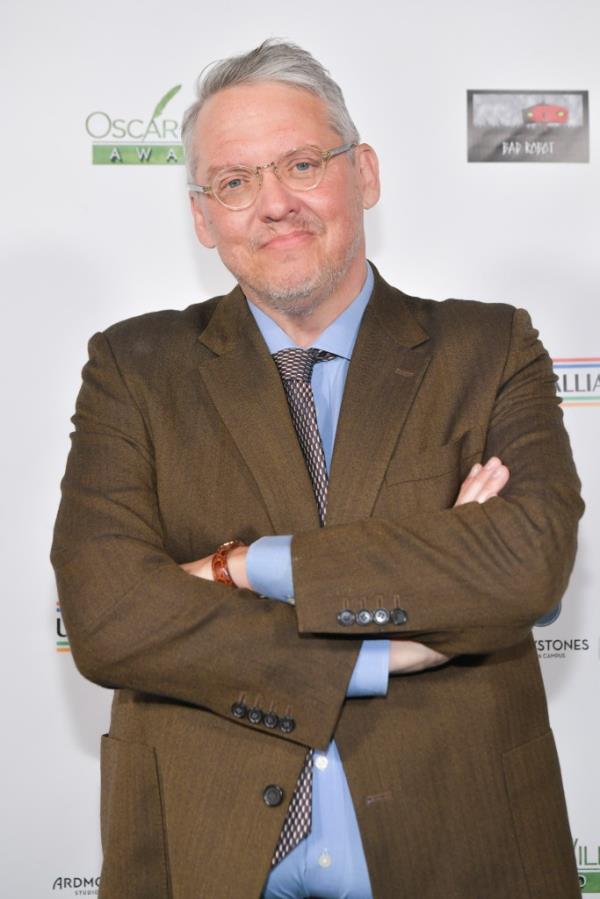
286, 241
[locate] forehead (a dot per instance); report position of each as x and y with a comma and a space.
251, 122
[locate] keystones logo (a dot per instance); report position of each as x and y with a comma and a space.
62, 640
588, 866
559, 647
578, 380
135, 141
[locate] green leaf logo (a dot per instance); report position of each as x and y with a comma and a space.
166, 99
161, 105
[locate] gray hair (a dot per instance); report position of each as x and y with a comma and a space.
273, 60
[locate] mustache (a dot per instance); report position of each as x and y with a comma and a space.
307, 223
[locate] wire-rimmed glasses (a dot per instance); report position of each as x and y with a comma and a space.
236, 187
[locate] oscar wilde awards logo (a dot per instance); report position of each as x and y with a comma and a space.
578, 380
587, 856
135, 141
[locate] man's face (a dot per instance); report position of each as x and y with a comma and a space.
290, 250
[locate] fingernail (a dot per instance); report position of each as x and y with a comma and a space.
476, 469
492, 463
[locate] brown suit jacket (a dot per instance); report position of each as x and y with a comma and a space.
183, 440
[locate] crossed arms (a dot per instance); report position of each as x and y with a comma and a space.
473, 578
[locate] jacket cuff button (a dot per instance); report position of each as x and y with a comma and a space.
270, 720
364, 617
255, 716
346, 617
238, 710
287, 725
381, 616
398, 616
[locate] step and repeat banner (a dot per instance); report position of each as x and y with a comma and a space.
485, 121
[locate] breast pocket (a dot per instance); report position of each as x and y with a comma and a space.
428, 479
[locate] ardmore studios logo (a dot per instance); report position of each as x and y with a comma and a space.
588, 866
78, 886
578, 380
136, 141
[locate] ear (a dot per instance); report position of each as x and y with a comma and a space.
368, 174
201, 221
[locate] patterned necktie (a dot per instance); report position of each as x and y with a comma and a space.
295, 367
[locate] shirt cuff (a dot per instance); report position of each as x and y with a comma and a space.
371, 671
269, 567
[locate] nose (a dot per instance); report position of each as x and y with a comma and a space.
275, 201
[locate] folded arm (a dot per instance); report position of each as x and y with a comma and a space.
476, 577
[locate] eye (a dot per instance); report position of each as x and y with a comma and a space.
233, 182
303, 166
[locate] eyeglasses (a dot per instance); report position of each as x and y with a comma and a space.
300, 169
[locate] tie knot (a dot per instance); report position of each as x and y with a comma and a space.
296, 364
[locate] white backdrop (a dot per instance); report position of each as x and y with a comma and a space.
85, 245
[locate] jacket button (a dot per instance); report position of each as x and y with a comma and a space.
381, 616
238, 710
270, 720
287, 725
398, 616
364, 617
273, 795
346, 617
255, 716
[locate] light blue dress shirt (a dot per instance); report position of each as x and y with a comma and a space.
330, 862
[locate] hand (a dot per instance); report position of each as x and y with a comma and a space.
236, 563
408, 656
481, 484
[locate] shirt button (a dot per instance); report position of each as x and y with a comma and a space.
321, 762
325, 859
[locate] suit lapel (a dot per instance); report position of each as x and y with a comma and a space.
387, 366
245, 386
386, 370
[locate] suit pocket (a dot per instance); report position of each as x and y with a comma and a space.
133, 838
535, 793
435, 461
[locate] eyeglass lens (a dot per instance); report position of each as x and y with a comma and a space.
300, 170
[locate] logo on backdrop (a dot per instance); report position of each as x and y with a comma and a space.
587, 857
528, 126
578, 380
561, 648
135, 141
550, 617
79, 886
62, 640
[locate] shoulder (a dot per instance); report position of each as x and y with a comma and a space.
156, 341
451, 320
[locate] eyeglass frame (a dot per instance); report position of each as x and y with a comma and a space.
257, 171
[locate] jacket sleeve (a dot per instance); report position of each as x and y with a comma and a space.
136, 620
475, 578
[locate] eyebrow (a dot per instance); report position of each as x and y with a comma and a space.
215, 169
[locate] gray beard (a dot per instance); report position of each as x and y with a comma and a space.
300, 300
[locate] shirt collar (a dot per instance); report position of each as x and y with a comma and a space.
339, 337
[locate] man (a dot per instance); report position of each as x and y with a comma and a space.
347, 702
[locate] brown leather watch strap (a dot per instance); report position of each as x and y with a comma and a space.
219, 562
